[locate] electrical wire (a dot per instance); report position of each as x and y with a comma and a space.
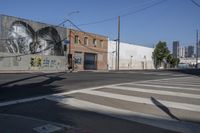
124, 15
195, 3
101, 21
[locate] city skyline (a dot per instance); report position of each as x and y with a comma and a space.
144, 22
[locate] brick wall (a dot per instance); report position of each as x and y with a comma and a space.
78, 45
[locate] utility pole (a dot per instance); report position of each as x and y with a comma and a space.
118, 43
197, 46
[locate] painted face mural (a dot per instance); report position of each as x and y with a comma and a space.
24, 40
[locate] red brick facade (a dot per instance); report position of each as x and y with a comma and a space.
89, 51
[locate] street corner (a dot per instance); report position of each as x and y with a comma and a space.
16, 123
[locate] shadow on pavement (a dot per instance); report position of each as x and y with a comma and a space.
14, 90
163, 108
87, 121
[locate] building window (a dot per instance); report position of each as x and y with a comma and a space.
85, 40
94, 42
101, 43
76, 39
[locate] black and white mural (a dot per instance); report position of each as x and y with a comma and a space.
23, 39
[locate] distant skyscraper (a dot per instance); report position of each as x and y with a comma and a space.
190, 51
182, 52
186, 52
198, 49
176, 49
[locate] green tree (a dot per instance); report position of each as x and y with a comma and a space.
173, 62
160, 53
170, 60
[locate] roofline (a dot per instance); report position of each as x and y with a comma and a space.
32, 21
132, 44
94, 34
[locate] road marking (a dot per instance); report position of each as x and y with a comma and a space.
157, 121
75, 91
166, 74
184, 84
176, 105
173, 79
22, 100
169, 93
180, 82
161, 86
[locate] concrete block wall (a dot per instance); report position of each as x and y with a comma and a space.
33, 63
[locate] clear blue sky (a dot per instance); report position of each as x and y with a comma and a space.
168, 21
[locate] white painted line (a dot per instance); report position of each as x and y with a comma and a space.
181, 82
170, 104
161, 86
160, 92
171, 74
75, 91
186, 84
156, 121
22, 101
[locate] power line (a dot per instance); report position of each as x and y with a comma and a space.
142, 9
124, 15
96, 22
195, 3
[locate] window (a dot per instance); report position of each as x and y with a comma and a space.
94, 42
85, 40
76, 39
101, 43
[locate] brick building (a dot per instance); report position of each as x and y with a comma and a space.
88, 50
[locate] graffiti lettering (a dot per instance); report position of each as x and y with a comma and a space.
36, 62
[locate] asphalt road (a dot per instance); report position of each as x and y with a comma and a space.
106, 102
19, 86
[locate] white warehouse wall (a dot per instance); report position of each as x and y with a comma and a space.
131, 56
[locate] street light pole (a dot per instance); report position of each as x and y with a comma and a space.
118, 43
116, 55
113, 59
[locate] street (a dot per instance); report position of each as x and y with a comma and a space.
104, 102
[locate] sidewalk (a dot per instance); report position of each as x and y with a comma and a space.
31, 71
21, 124
47, 71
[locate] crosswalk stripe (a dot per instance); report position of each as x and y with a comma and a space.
157, 121
162, 86
186, 79
178, 82
181, 81
176, 105
172, 74
178, 94
182, 84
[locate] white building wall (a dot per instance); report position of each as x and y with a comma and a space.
131, 56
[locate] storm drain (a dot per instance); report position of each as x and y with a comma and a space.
48, 128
